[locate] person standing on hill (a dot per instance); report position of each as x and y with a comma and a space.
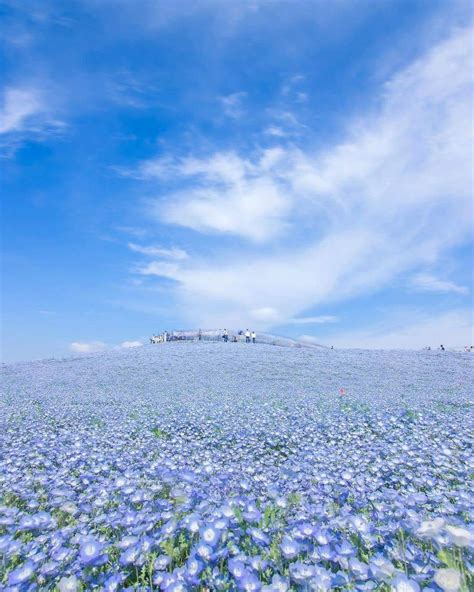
247, 336
254, 336
225, 336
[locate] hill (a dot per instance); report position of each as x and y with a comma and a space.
235, 466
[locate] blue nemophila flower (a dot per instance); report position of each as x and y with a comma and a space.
127, 541
381, 568
322, 579
162, 562
403, 584
131, 556
289, 548
249, 582
176, 586
113, 582
194, 567
237, 568
301, 572
204, 551
461, 537
210, 535
51, 568
358, 568
91, 554
448, 579
259, 536
345, 549
258, 563
68, 584
21, 574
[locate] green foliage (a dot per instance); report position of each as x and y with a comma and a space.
159, 433
178, 548
10, 498
63, 518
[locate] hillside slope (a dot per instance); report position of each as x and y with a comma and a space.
212, 454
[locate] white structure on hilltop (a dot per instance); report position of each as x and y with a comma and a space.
234, 336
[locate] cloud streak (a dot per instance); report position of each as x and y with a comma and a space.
82, 347
154, 251
425, 282
389, 197
453, 329
19, 108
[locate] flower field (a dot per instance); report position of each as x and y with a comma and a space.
211, 466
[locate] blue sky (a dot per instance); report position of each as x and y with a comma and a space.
298, 167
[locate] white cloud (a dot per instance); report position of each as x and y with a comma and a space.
429, 283
154, 251
320, 320
19, 106
453, 329
160, 269
267, 314
25, 112
130, 344
82, 347
232, 104
274, 130
392, 195
229, 195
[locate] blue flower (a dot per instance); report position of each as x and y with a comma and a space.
162, 562
403, 584
210, 535
237, 568
194, 567
249, 582
91, 554
289, 548
131, 556
113, 582
259, 536
21, 574
68, 584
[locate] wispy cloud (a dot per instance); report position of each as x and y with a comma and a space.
81, 347
319, 320
276, 131
160, 269
130, 344
392, 195
25, 113
428, 283
128, 90
226, 194
452, 329
233, 104
154, 251
20, 107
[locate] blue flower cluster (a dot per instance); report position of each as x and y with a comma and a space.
196, 466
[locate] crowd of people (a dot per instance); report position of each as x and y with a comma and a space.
160, 338
249, 336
